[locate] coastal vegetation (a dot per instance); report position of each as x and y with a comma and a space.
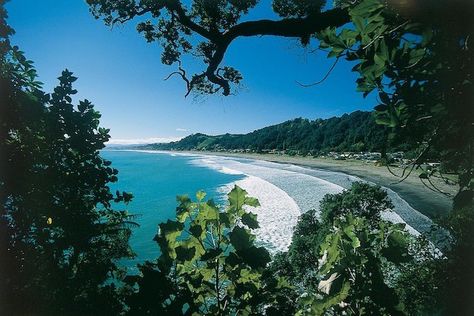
61, 238
354, 132
209, 263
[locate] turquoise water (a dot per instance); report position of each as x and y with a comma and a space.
155, 179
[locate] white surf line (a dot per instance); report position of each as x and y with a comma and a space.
277, 214
306, 190
403, 211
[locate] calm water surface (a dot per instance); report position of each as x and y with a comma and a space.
155, 179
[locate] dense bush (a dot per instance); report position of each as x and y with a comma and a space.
59, 236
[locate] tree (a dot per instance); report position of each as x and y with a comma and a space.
346, 259
217, 24
209, 263
59, 235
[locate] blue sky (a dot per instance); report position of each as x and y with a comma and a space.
122, 75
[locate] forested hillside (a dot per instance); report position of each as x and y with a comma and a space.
357, 131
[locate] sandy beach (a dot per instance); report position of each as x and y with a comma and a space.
428, 202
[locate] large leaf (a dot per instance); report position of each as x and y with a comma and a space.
250, 220
185, 254
240, 238
236, 198
255, 257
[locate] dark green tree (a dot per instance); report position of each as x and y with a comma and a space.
60, 238
357, 131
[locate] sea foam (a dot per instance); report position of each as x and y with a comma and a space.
277, 214
306, 188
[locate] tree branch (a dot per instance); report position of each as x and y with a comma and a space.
294, 27
182, 74
176, 9
291, 27
322, 80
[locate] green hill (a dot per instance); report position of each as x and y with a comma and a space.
351, 132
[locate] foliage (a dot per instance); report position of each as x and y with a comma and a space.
351, 132
209, 262
455, 274
206, 29
361, 200
420, 64
345, 260
59, 236
352, 272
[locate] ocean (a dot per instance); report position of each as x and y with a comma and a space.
284, 191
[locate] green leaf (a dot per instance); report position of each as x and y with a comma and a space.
240, 238
200, 195
349, 230
255, 257
185, 254
207, 212
196, 230
236, 198
250, 220
319, 307
331, 246
359, 23
365, 8
415, 56
251, 201
211, 254
379, 60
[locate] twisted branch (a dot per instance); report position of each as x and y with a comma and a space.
182, 73
289, 27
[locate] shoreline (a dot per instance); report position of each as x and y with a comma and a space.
430, 203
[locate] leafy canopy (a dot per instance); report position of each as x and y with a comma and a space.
345, 259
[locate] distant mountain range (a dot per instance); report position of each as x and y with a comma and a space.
354, 132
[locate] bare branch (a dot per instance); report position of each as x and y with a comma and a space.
418, 160
324, 78
433, 187
182, 74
